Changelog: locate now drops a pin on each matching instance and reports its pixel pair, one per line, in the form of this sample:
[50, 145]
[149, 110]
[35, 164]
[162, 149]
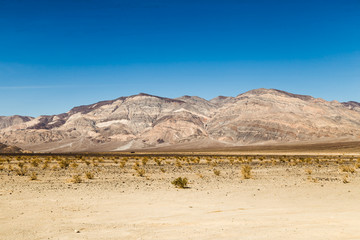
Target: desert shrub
[33, 176]
[216, 172]
[76, 178]
[45, 165]
[89, 175]
[21, 164]
[139, 171]
[311, 179]
[308, 171]
[64, 163]
[246, 171]
[22, 171]
[122, 164]
[144, 160]
[158, 161]
[162, 170]
[74, 165]
[180, 182]
[178, 164]
[346, 168]
[346, 179]
[35, 162]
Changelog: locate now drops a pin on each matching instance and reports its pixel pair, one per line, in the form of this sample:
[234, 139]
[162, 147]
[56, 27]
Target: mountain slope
[13, 120]
[144, 121]
[9, 149]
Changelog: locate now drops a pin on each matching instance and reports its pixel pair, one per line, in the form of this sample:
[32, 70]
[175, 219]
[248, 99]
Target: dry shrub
[35, 162]
[33, 176]
[178, 164]
[76, 178]
[180, 182]
[89, 175]
[144, 160]
[158, 161]
[246, 171]
[346, 179]
[46, 165]
[64, 163]
[74, 165]
[122, 164]
[22, 171]
[139, 171]
[346, 168]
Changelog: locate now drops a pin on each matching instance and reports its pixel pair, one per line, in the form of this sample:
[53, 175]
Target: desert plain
[229, 195]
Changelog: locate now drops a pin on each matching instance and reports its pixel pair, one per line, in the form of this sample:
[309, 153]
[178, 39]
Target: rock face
[144, 121]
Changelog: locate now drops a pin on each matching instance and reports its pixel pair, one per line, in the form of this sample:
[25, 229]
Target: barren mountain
[144, 121]
[13, 120]
[9, 149]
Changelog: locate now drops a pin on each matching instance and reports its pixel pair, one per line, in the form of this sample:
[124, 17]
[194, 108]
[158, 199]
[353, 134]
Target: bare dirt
[287, 197]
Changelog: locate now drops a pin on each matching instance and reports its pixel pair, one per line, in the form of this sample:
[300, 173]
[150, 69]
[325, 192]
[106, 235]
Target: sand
[279, 202]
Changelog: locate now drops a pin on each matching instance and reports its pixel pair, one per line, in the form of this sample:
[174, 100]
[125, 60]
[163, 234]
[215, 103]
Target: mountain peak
[262, 91]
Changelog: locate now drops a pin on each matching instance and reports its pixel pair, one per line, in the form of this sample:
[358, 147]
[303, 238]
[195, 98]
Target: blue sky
[58, 54]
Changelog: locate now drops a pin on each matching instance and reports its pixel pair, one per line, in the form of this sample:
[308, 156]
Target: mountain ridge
[145, 121]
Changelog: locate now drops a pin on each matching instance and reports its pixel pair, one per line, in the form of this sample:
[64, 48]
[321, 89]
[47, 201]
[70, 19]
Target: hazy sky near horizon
[58, 54]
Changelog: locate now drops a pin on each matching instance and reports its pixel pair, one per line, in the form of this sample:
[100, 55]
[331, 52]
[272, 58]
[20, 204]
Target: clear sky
[58, 54]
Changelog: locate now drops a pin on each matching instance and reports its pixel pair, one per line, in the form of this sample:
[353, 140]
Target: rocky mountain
[13, 120]
[9, 149]
[261, 116]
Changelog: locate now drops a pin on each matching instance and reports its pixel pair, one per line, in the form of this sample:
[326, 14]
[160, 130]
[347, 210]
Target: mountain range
[143, 121]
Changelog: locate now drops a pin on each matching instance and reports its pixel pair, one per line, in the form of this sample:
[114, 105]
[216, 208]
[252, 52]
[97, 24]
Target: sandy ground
[280, 201]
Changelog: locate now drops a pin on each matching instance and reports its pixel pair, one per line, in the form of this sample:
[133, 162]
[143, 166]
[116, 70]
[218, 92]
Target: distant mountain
[143, 121]
[9, 149]
[13, 120]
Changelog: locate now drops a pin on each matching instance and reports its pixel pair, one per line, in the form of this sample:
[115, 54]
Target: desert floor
[287, 197]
